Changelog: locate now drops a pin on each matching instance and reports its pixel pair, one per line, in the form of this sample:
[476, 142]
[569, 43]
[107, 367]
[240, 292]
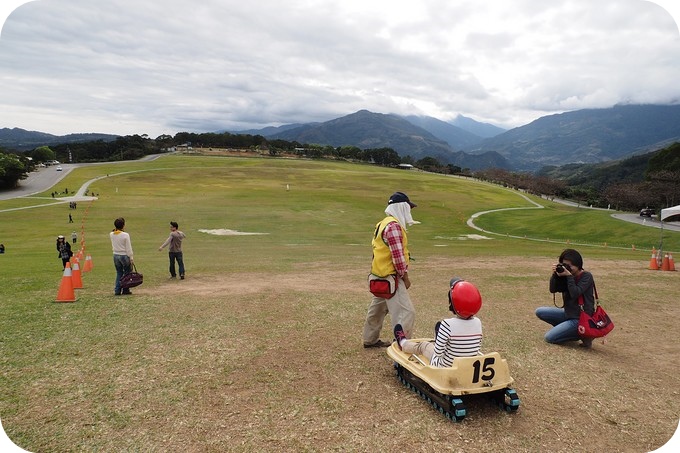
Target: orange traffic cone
[653, 265]
[665, 265]
[671, 264]
[87, 267]
[76, 277]
[66, 292]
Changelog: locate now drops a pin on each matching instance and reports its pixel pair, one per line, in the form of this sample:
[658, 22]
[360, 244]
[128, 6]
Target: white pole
[661, 242]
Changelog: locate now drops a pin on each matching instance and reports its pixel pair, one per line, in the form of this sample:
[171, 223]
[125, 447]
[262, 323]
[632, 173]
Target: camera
[558, 283]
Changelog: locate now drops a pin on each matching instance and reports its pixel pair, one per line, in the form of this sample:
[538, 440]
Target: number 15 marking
[486, 370]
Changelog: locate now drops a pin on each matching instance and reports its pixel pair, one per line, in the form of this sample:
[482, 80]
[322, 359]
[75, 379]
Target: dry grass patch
[246, 362]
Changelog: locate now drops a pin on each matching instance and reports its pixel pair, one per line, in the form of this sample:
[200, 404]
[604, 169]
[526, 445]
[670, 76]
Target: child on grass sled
[458, 336]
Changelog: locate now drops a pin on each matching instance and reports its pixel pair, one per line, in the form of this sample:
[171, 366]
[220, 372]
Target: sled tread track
[451, 406]
[506, 399]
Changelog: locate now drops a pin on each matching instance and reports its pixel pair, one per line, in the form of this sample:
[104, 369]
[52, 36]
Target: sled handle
[413, 356]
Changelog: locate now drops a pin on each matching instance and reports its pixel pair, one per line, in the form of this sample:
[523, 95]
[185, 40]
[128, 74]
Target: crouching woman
[576, 284]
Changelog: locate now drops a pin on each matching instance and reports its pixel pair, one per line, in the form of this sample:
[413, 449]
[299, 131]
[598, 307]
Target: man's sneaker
[399, 334]
[377, 344]
[181, 277]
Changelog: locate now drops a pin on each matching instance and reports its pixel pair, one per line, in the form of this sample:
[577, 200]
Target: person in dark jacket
[569, 278]
[64, 249]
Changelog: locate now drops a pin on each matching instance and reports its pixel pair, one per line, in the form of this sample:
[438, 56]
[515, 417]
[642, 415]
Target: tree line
[651, 180]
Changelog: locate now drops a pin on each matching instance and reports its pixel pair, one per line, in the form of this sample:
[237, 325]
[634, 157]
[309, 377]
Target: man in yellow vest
[390, 261]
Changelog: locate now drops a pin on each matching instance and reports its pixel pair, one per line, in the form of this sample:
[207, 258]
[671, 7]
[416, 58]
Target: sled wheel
[511, 402]
[459, 411]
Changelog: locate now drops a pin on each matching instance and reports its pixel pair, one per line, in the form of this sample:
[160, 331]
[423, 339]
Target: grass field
[260, 347]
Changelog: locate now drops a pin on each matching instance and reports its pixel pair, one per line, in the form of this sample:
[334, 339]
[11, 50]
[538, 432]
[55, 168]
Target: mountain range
[23, 140]
[587, 136]
[581, 136]
[414, 136]
[368, 130]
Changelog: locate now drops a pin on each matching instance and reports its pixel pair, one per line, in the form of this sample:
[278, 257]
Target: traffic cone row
[665, 264]
[72, 277]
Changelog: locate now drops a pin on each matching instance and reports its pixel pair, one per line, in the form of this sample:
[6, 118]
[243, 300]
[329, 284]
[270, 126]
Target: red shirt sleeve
[394, 237]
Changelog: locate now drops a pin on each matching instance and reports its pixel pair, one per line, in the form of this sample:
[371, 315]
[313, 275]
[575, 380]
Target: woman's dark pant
[180, 262]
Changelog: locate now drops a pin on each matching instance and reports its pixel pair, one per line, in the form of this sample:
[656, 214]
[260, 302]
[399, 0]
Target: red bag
[596, 325]
[384, 287]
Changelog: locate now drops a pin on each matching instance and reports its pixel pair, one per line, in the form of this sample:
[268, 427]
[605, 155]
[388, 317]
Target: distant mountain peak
[369, 130]
[588, 136]
[23, 140]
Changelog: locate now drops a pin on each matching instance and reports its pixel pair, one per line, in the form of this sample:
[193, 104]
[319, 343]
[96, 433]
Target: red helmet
[464, 298]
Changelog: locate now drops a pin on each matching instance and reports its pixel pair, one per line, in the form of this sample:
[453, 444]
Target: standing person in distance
[175, 250]
[391, 258]
[64, 249]
[569, 278]
[122, 254]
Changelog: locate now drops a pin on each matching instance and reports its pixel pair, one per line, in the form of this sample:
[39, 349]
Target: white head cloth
[401, 212]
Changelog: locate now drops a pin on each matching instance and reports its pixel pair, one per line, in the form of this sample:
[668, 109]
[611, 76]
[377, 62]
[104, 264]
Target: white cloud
[167, 66]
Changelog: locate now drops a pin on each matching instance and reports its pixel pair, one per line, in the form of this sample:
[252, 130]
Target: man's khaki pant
[400, 309]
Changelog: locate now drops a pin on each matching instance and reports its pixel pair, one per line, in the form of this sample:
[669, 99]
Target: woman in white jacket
[122, 254]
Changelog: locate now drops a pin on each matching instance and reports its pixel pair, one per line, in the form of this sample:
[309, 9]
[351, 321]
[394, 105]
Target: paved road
[37, 181]
[626, 216]
[44, 178]
[646, 221]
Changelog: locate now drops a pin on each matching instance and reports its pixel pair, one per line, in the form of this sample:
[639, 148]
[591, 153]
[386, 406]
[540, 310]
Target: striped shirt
[457, 337]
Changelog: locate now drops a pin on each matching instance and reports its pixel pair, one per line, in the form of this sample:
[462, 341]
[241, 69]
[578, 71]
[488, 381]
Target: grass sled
[445, 388]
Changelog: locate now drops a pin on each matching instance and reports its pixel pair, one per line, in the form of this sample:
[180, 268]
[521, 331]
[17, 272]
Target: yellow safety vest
[382, 264]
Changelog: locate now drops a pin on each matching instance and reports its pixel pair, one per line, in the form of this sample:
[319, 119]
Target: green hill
[259, 348]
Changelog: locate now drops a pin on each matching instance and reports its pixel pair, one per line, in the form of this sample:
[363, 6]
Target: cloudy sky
[165, 66]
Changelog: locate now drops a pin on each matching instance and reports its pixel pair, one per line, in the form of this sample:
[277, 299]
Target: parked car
[647, 212]
[59, 168]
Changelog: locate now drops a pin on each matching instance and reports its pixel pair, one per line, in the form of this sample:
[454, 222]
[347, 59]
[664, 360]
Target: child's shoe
[399, 334]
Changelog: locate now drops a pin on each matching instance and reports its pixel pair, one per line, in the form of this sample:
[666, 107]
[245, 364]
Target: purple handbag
[132, 279]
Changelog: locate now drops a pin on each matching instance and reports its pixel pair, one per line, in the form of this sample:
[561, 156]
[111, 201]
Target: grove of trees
[12, 170]
[655, 183]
